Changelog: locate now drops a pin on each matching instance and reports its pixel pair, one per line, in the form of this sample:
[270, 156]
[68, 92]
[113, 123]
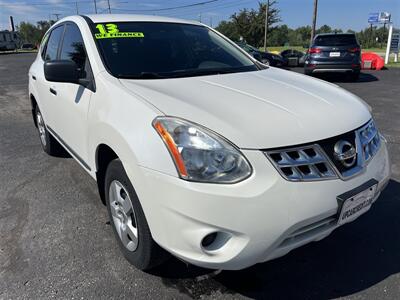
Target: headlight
[201, 155]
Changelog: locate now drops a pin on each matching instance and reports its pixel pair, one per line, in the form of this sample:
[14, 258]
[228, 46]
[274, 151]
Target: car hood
[257, 110]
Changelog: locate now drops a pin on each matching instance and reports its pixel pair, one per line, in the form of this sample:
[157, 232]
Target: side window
[73, 47]
[44, 44]
[52, 45]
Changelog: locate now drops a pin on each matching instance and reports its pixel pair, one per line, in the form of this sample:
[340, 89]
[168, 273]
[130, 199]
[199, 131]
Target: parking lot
[56, 242]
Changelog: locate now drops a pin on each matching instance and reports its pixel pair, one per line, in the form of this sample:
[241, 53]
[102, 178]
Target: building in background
[10, 40]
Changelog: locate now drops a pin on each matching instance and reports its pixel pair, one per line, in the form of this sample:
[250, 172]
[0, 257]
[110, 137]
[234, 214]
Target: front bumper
[260, 219]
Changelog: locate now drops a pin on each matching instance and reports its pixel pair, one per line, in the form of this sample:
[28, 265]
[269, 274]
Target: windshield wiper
[185, 73]
[200, 72]
[143, 75]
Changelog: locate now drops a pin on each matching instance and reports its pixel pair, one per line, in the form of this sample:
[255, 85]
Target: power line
[169, 8]
[42, 3]
[217, 6]
[220, 6]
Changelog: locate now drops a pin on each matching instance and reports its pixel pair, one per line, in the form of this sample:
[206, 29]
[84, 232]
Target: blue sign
[395, 43]
[373, 18]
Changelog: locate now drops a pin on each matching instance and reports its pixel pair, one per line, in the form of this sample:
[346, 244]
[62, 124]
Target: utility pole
[95, 6]
[109, 7]
[384, 30]
[77, 9]
[389, 41]
[372, 36]
[314, 21]
[266, 24]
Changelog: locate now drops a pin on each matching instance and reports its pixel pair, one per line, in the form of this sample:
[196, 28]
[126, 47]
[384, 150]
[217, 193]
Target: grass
[18, 51]
[280, 49]
[300, 48]
[393, 64]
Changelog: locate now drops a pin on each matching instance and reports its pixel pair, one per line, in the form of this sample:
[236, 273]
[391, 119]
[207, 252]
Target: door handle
[53, 91]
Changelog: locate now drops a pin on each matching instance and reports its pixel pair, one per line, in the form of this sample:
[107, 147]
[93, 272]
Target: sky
[343, 14]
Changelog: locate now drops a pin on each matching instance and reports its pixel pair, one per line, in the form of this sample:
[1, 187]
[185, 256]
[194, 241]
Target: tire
[355, 76]
[49, 144]
[307, 72]
[128, 221]
[266, 62]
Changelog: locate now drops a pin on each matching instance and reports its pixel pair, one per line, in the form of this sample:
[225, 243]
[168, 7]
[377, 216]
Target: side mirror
[61, 71]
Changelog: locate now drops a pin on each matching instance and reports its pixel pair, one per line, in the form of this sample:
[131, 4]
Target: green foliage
[368, 37]
[249, 25]
[33, 34]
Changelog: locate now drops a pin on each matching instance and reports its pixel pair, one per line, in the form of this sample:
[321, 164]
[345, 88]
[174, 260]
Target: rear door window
[335, 40]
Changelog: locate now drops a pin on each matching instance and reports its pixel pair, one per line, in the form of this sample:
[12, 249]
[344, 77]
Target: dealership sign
[373, 18]
[384, 17]
[394, 44]
[379, 17]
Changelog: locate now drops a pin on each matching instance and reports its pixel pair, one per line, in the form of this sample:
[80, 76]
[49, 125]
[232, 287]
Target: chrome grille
[306, 163]
[317, 161]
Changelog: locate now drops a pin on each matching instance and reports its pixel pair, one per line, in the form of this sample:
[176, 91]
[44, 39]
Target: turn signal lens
[169, 142]
[201, 155]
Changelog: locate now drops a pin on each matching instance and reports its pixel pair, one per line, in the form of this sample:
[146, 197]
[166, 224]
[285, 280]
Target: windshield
[151, 50]
[335, 40]
[246, 47]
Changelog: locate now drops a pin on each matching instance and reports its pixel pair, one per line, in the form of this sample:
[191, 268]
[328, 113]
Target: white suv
[197, 149]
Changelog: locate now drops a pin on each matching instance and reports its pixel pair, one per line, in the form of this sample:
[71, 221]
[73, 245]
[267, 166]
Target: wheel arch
[104, 155]
[33, 107]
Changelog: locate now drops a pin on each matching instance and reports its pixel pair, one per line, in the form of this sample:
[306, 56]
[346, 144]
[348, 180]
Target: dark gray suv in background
[334, 52]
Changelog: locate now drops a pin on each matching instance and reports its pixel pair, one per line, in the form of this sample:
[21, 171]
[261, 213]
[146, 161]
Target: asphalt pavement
[56, 241]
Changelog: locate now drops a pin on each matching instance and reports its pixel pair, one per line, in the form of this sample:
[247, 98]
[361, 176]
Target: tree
[279, 35]
[229, 29]
[324, 29]
[249, 24]
[33, 34]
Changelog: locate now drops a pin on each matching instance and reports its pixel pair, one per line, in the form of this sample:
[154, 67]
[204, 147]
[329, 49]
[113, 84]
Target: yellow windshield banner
[119, 35]
[111, 31]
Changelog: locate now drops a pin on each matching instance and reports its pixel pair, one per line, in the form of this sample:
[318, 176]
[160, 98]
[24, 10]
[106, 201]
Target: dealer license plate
[334, 54]
[356, 205]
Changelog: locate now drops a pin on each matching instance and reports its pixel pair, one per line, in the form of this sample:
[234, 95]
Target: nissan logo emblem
[345, 153]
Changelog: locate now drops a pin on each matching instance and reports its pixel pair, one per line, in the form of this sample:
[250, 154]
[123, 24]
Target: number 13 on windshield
[109, 28]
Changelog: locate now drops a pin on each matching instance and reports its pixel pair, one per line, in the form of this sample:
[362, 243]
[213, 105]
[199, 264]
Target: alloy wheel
[123, 215]
[41, 128]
